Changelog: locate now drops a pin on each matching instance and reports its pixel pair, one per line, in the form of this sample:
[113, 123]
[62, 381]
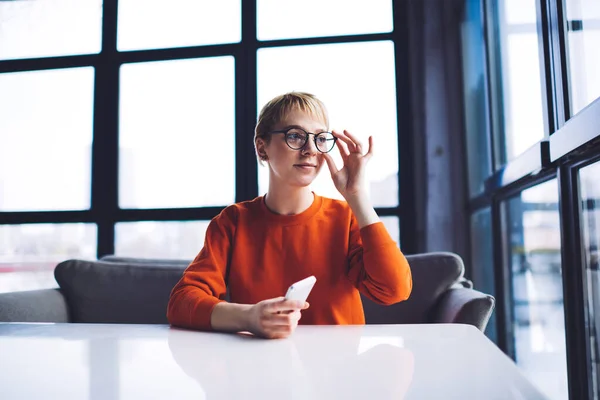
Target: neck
[288, 200]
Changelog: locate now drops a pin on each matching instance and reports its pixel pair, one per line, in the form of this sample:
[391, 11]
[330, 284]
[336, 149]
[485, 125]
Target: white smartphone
[301, 289]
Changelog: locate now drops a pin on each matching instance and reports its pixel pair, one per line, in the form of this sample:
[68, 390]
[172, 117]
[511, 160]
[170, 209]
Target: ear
[261, 149]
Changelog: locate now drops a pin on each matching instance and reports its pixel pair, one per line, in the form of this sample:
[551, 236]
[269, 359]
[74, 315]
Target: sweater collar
[291, 219]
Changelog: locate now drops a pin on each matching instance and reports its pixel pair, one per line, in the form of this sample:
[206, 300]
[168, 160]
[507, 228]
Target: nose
[309, 148]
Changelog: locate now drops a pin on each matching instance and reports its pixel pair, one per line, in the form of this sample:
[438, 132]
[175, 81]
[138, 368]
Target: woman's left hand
[350, 180]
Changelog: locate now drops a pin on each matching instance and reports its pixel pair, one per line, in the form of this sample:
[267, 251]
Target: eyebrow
[301, 127]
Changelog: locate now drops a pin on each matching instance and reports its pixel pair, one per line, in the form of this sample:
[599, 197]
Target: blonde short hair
[278, 108]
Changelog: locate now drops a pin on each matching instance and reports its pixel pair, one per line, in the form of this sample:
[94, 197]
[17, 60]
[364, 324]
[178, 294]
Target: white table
[97, 361]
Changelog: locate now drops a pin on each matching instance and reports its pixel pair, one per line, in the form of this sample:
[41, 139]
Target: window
[182, 71]
[45, 139]
[291, 19]
[474, 91]
[583, 36]
[360, 97]
[153, 24]
[517, 92]
[590, 224]
[177, 134]
[392, 224]
[29, 252]
[537, 289]
[482, 260]
[160, 239]
[32, 29]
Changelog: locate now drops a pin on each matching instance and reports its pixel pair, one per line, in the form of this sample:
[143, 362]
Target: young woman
[255, 249]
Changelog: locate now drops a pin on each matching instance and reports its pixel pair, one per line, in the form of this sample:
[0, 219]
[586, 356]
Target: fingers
[279, 325]
[370, 152]
[330, 163]
[357, 144]
[342, 147]
[282, 319]
[350, 142]
[280, 304]
[278, 317]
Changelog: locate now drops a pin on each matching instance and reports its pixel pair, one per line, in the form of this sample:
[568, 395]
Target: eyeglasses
[296, 139]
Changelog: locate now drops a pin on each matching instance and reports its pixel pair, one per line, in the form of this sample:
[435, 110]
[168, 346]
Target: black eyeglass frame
[316, 135]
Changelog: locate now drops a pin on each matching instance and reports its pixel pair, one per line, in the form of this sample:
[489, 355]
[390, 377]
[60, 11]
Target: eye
[296, 135]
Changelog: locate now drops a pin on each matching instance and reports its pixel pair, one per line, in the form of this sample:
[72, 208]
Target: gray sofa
[135, 290]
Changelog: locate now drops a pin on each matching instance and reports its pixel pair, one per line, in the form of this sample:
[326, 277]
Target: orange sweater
[258, 254]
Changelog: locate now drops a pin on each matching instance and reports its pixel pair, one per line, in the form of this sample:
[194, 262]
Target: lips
[305, 165]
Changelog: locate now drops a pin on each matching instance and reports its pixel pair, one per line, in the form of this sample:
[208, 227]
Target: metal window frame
[572, 142]
[104, 209]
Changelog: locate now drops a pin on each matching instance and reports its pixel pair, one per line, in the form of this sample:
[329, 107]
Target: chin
[303, 182]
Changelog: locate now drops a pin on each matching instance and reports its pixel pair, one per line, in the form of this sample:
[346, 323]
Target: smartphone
[301, 289]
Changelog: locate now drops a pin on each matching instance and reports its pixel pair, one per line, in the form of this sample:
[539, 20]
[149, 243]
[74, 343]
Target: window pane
[45, 139]
[482, 260]
[158, 239]
[517, 93]
[590, 224]
[289, 19]
[29, 253]
[537, 288]
[583, 36]
[153, 24]
[474, 84]
[177, 134]
[49, 28]
[350, 106]
[392, 224]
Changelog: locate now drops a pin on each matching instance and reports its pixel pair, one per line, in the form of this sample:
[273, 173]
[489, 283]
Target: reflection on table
[98, 361]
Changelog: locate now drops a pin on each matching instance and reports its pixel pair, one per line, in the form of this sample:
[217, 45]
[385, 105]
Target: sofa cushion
[117, 292]
[433, 274]
[136, 290]
[44, 305]
[146, 261]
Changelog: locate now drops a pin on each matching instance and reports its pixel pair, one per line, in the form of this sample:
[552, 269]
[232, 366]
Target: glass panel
[158, 239]
[177, 134]
[517, 93]
[154, 24]
[45, 139]
[482, 260]
[29, 253]
[278, 19]
[590, 224]
[392, 224]
[537, 288]
[474, 86]
[350, 107]
[583, 36]
[49, 28]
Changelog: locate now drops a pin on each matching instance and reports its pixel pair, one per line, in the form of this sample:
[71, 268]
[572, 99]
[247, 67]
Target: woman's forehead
[307, 119]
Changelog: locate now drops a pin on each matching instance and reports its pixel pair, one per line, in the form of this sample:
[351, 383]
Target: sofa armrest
[46, 305]
[464, 306]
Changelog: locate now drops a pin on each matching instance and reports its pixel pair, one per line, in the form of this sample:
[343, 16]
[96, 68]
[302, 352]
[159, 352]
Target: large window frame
[571, 142]
[105, 211]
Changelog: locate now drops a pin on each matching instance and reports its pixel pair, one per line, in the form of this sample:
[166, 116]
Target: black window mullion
[502, 279]
[105, 147]
[409, 216]
[574, 288]
[246, 170]
[547, 68]
[560, 84]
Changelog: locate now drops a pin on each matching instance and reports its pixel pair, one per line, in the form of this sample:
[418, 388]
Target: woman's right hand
[275, 318]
